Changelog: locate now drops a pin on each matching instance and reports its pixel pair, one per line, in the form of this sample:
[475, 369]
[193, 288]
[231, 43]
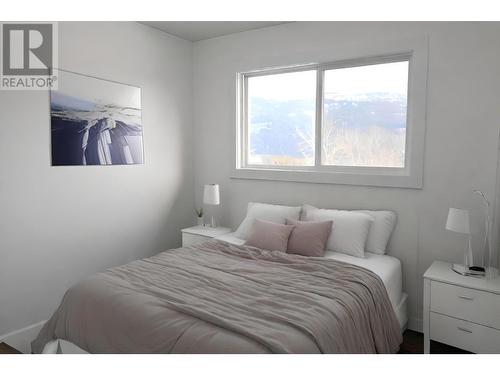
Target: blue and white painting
[95, 122]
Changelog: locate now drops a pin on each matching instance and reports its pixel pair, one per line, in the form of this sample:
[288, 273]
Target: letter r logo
[27, 49]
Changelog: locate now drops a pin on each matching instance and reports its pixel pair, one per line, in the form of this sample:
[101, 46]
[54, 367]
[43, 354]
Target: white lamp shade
[211, 194]
[458, 221]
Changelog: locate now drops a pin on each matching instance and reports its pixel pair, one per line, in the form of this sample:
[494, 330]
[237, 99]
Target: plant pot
[200, 221]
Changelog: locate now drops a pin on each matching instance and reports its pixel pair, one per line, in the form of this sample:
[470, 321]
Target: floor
[6, 349]
[413, 343]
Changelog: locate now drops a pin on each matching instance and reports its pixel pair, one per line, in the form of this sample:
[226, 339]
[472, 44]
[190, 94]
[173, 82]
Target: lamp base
[466, 271]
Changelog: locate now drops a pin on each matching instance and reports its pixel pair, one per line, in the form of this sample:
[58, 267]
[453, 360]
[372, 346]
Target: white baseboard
[21, 339]
[415, 324]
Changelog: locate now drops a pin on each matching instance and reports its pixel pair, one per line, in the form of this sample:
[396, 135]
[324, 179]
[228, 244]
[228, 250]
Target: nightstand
[199, 234]
[461, 311]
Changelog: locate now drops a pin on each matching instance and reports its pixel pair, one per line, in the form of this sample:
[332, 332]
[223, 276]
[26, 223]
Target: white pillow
[349, 230]
[270, 212]
[380, 231]
[306, 208]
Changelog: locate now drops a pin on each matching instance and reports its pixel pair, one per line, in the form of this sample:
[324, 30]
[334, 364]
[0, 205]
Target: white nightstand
[199, 234]
[461, 311]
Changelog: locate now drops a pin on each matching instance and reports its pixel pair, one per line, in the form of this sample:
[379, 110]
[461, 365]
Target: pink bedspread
[220, 298]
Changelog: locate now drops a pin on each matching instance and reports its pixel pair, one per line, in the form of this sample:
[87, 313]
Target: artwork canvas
[95, 122]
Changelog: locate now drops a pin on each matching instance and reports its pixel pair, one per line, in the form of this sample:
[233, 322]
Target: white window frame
[410, 176]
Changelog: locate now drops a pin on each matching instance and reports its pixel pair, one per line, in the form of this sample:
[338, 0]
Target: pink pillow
[269, 236]
[309, 237]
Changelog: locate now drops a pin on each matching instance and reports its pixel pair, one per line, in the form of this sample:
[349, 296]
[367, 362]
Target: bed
[222, 297]
[387, 267]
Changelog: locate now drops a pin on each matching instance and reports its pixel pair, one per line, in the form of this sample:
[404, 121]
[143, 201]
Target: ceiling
[200, 30]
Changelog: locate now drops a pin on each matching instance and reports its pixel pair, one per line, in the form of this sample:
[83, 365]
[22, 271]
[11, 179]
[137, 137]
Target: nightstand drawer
[189, 239]
[467, 304]
[465, 335]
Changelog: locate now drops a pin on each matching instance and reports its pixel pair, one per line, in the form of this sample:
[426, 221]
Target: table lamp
[458, 221]
[211, 196]
[491, 272]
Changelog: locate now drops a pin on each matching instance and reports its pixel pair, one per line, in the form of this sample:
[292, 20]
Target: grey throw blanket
[220, 298]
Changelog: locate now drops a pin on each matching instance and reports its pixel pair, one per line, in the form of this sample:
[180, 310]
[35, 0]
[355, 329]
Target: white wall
[463, 119]
[59, 224]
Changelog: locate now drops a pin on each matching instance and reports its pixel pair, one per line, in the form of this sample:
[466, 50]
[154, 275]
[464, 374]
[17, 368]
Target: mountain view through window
[281, 118]
[363, 117]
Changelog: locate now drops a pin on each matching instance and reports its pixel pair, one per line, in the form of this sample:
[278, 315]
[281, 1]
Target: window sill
[382, 179]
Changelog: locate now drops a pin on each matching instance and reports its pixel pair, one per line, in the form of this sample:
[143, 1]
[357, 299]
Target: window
[281, 119]
[364, 115]
[345, 122]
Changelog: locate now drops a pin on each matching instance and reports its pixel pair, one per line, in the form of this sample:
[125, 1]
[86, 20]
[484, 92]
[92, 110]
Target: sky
[389, 77]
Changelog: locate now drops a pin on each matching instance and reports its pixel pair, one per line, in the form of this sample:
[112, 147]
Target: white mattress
[386, 267]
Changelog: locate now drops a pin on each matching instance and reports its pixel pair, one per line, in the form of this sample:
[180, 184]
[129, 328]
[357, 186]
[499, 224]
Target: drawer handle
[464, 330]
[466, 298]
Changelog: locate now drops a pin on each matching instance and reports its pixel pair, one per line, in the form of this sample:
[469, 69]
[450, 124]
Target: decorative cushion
[309, 238]
[349, 230]
[268, 212]
[269, 236]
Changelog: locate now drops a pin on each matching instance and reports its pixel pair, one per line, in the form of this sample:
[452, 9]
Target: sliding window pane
[281, 118]
[364, 115]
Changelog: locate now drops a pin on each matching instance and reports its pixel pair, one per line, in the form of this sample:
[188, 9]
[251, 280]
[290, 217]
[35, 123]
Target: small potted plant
[199, 216]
